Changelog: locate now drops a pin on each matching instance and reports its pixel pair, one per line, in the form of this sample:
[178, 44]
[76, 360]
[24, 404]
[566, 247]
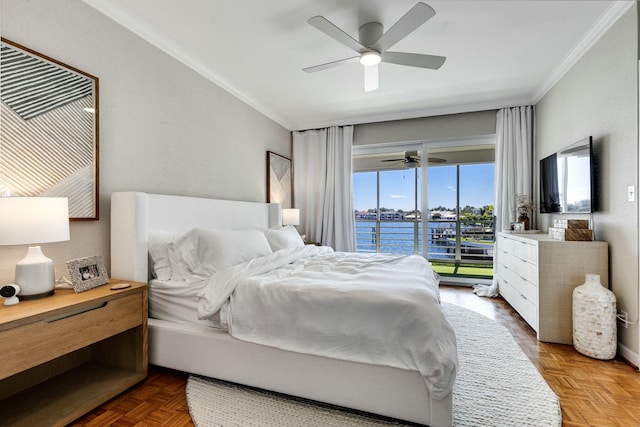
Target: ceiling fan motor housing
[370, 33]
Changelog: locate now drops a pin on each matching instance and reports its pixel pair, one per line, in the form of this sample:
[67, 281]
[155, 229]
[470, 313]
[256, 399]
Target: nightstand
[64, 355]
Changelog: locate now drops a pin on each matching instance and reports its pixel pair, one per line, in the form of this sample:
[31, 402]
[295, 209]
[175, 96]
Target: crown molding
[597, 30]
[166, 45]
[415, 114]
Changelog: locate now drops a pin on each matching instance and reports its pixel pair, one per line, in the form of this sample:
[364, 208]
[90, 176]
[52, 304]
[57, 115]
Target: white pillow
[285, 237]
[218, 249]
[183, 256]
[159, 253]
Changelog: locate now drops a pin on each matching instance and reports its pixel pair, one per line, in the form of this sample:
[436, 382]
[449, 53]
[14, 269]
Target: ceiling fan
[373, 44]
[412, 160]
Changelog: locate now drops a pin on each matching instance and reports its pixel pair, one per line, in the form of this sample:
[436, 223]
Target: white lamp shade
[33, 220]
[290, 216]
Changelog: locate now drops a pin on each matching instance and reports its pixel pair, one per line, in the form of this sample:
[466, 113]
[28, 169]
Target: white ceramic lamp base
[35, 275]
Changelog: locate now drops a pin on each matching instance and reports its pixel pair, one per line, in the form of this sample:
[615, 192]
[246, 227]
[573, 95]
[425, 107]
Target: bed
[193, 345]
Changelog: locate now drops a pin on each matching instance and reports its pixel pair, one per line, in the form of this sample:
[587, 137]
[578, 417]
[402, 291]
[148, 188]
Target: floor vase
[594, 319]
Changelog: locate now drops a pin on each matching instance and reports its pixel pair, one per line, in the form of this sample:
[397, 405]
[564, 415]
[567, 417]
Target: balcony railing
[468, 241]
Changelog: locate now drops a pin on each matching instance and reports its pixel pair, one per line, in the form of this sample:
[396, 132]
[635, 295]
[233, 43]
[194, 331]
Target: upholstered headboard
[134, 215]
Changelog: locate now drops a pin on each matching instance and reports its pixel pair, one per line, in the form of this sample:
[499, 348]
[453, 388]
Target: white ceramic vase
[594, 319]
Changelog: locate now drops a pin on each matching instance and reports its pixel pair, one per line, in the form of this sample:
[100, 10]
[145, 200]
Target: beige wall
[163, 128]
[598, 97]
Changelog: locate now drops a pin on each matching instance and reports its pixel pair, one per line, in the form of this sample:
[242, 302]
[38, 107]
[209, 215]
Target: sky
[397, 187]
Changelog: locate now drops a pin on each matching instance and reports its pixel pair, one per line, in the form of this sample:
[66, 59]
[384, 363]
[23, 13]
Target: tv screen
[566, 180]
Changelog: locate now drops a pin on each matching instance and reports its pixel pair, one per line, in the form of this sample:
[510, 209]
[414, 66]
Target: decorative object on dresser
[279, 179]
[87, 273]
[594, 319]
[537, 275]
[49, 129]
[66, 355]
[574, 230]
[29, 220]
[524, 205]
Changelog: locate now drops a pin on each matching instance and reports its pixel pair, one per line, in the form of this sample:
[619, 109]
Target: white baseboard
[626, 353]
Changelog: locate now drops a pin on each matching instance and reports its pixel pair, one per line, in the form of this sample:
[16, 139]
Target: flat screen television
[567, 181]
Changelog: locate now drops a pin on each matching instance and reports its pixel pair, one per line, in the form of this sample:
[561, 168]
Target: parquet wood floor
[592, 392]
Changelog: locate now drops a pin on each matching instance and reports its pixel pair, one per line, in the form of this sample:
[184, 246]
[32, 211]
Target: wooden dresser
[537, 275]
[66, 354]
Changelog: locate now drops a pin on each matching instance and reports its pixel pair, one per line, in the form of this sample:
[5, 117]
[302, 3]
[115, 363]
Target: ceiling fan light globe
[370, 58]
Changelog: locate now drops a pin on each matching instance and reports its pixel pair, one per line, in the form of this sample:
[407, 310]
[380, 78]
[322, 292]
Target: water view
[405, 237]
[460, 225]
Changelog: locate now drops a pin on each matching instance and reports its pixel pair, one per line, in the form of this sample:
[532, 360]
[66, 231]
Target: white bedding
[177, 301]
[369, 308]
[138, 218]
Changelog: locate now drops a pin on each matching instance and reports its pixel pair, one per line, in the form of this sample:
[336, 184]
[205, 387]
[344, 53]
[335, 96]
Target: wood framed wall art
[279, 180]
[49, 130]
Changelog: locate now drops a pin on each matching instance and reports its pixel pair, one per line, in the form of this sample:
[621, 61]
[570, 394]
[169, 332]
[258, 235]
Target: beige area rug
[496, 386]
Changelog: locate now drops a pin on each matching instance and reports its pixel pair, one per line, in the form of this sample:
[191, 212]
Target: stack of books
[571, 230]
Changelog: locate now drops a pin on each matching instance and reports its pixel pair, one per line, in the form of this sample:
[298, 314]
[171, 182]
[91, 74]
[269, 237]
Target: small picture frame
[87, 273]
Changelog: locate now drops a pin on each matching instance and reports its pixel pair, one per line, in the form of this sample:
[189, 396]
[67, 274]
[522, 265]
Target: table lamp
[34, 220]
[290, 216]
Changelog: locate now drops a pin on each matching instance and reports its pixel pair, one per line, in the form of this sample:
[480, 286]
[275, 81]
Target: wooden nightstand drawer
[66, 354]
[67, 331]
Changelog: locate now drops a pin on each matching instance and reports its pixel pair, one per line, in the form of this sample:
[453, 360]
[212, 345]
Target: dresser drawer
[526, 289]
[524, 269]
[526, 308]
[526, 251]
[505, 244]
[523, 286]
[66, 331]
[520, 266]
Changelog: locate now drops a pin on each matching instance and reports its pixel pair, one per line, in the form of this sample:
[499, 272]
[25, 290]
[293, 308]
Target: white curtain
[515, 135]
[323, 186]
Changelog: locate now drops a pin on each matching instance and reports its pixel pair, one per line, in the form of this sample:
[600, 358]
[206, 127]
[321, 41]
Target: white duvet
[369, 308]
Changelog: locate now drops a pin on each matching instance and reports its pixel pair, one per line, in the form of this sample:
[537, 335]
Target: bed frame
[202, 350]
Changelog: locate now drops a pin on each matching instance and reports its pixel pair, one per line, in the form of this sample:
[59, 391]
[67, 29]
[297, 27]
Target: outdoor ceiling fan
[373, 44]
[412, 160]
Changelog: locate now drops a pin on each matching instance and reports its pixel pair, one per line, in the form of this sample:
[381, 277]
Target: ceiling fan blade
[416, 16]
[414, 59]
[392, 160]
[370, 78]
[436, 160]
[324, 25]
[333, 64]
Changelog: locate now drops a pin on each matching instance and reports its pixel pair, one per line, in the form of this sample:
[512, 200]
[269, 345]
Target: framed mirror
[48, 130]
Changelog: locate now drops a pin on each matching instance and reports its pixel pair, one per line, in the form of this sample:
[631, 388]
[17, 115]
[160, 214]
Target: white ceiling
[499, 53]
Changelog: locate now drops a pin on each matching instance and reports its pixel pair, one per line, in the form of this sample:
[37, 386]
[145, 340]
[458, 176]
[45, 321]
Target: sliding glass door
[458, 213]
[461, 228]
[386, 211]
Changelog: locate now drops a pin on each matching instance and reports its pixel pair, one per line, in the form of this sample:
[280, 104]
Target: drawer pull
[523, 296]
[75, 313]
